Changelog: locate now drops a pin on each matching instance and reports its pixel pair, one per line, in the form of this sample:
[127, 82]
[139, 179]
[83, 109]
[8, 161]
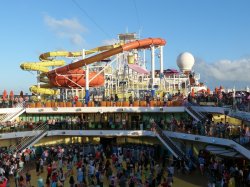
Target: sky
[215, 32]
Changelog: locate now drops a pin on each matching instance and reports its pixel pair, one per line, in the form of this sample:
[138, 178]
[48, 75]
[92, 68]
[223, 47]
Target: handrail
[33, 133]
[200, 115]
[31, 139]
[169, 142]
[7, 115]
[174, 147]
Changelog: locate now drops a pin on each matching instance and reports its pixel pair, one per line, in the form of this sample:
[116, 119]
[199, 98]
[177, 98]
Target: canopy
[138, 69]
[223, 151]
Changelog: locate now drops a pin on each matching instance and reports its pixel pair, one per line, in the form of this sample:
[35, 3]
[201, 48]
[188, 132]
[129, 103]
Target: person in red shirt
[49, 171]
[97, 155]
[164, 183]
[54, 176]
[79, 164]
[3, 181]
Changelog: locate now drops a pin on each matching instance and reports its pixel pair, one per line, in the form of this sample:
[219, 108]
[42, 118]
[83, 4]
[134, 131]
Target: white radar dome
[185, 61]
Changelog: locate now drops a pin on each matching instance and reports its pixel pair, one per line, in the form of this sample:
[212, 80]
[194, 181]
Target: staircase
[171, 146]
[196, 115]
[35, 135]
[17, 111]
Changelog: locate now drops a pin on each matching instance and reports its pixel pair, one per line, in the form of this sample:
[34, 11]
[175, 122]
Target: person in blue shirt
[202, 163]
[80, 177]
[40, 182]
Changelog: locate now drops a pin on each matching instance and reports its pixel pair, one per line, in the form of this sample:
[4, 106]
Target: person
[122, 181]
[116, 98]
[112, 181]
[16, 177]
[170, 180]
[41, 164]
[61, 176]
[22, 182]
[130, 100]
[131, 181]
[37, 166]
[2, 171]
[49, 171]
[71, 181]
[171, 169]
[80, 176]
[40, 182]
[164, 183]
[3, 181]
[48, 182]
[202, 163]
[28, 178]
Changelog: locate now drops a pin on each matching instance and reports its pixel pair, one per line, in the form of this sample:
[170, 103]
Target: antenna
[139, 33]
[126, 29]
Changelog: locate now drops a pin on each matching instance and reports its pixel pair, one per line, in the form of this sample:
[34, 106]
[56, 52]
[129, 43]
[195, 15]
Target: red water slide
[72, 75]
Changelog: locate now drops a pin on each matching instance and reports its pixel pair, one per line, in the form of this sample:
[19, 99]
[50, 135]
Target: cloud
[225, 72]
[66, 28]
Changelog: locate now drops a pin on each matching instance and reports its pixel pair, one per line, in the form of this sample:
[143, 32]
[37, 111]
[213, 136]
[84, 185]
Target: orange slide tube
[57, 79]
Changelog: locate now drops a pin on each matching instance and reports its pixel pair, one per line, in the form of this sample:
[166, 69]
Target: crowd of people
[132, 165]
[86, 165]
[208, 128]
[184, 124]
[223, 172]
[240, 100]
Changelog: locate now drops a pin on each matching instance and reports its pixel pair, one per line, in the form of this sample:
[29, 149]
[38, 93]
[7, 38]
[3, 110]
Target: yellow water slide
[49, 60]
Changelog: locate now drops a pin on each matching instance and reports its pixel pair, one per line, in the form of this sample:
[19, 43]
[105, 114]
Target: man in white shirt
[2, 171]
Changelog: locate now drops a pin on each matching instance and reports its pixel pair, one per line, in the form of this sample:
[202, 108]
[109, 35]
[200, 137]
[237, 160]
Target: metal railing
[176, 151]
[27, 140]
[201, 114]
[7, 116]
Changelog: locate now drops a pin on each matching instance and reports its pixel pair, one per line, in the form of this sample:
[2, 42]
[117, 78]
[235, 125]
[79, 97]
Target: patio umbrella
[21, 94]
[11, 95]
[5, 95]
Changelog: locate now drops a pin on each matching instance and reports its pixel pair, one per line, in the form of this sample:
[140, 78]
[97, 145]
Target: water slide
[48, 60]
[72, 75]
[59, 77]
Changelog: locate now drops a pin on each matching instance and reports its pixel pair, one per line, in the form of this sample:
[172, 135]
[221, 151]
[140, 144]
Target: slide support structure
[87, 79]
[161, 60]
[152, 70]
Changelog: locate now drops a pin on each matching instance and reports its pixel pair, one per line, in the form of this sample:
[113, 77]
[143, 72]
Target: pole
[152, 70]
[161, 60]
[161, 67]
[38, 84]
[86, 79]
